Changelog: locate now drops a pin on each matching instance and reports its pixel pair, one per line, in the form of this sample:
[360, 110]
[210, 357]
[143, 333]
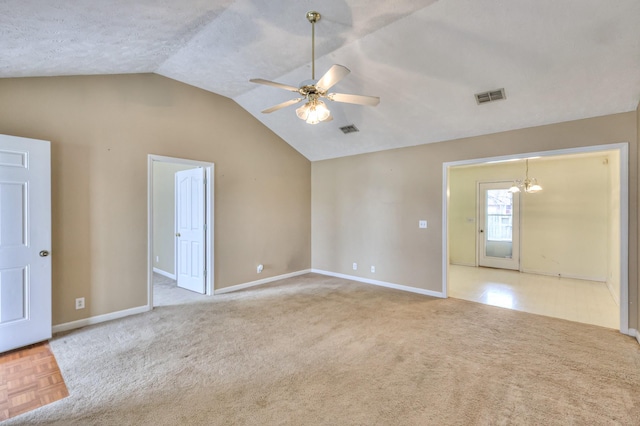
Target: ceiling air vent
[493, 95]
[349, 129]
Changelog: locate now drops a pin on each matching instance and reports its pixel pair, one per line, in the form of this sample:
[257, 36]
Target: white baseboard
[613, 293]
[381, 283]
[473, 265]
[574, 277]
[99, 318]
[164, 273]
[259, 282]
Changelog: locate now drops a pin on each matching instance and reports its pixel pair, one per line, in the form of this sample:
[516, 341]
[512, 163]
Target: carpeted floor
[166, 293]
[315, 350]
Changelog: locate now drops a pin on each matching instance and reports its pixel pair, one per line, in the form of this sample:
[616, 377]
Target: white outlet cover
[355, 266]
[422, 224]
[373, 269]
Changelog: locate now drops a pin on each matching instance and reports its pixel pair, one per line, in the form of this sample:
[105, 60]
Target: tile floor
[29, 378]
[575, 300]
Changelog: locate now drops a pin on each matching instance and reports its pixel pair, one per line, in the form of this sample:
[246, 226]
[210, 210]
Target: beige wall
[564, 228]
[366, 208]
[102, 129]
[164, 215]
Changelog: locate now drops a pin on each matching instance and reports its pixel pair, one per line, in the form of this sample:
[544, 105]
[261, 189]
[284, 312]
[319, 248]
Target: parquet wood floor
[29, 378]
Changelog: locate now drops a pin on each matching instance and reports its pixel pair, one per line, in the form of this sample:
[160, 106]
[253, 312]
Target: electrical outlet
[259, 268]
[355, 266]
[422, 224]
[80, 303]
[157, 259]
[373, 269]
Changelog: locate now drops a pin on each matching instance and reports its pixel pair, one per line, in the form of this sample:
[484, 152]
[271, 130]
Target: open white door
[190, 230]
[499, 226]
[25, 242]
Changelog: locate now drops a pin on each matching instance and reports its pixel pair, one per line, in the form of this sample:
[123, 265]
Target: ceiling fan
[314, 110]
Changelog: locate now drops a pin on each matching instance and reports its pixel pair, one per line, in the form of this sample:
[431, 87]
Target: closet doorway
[163, 230]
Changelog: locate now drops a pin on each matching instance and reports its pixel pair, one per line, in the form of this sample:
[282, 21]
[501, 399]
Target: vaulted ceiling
[557, 60]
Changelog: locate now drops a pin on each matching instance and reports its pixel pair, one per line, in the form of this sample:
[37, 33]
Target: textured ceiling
[557, 60]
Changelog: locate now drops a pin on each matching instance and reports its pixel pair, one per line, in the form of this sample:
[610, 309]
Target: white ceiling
[558, 60]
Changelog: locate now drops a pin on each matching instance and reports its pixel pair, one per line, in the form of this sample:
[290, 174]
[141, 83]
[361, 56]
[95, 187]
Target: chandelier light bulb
[303, 111]
[312, 117]
[322, 110]
[535, 187]
[528, 185]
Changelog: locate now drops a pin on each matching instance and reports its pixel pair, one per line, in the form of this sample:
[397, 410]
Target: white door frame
[209, 169]
[622, 148]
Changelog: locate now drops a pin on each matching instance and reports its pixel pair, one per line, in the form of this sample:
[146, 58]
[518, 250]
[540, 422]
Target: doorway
[544, 237]
[165, 233]
[499, 226]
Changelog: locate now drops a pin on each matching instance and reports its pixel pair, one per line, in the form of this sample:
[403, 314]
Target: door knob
[177, 234]
[44, 253]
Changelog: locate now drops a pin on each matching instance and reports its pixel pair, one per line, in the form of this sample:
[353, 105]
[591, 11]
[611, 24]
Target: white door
[190, 229]
[25, 242]
[499, 226]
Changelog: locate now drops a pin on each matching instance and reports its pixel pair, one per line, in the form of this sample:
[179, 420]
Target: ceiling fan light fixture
[303, 111]
[313, 112]
[313, 117]
[321, 110]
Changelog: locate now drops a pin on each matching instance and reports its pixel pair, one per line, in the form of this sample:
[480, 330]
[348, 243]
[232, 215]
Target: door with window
[499, 226]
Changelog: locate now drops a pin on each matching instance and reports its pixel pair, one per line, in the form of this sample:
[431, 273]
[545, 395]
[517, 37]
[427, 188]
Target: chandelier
[528, 185]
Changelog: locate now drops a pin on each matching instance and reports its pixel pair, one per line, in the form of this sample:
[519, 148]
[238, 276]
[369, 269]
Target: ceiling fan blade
[331, 77]
[354, 99]
[282, 105]
[274, 84]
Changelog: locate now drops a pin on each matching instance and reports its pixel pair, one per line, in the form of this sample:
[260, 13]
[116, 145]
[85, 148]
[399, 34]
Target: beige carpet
[323, 351]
